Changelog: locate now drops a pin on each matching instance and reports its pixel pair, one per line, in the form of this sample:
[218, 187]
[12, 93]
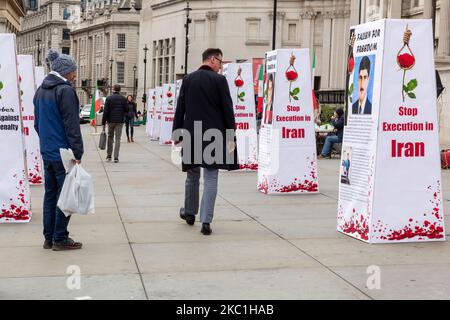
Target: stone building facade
[47, 24]
[11, 12]
[105, 45]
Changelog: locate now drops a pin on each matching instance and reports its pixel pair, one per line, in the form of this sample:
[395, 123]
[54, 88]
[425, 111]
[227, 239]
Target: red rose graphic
[351, 65]
[406, 61]
[291, 76]
[239, 83]
[169, 94]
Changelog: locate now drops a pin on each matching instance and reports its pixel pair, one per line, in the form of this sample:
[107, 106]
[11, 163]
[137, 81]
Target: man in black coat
[204, 122]
[116, 108]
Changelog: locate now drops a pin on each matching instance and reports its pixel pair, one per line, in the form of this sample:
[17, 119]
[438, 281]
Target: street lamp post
[186, 48]
[274, 26]
[134, 81]
[111, 74]
[144, 96]
[38, 41]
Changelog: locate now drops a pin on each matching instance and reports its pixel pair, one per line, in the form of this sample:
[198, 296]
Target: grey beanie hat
[61, 63]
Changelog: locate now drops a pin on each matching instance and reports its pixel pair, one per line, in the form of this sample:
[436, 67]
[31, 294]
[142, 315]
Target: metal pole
[433, 11]
[186, 49]
[274, 27]
[144, 96]
[110, 80]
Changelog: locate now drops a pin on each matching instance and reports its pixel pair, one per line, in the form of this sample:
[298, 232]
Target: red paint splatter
[249, 166]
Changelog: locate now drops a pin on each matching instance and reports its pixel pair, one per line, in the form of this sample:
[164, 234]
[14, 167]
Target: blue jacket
[57, 118]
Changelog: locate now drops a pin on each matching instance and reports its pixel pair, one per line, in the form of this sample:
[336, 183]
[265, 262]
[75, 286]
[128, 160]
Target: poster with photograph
[167, 114]
[39, 76]
[390, 182]
[27, 89]
[287, 146]
[177, 91]
[157, 114]
[14, 187]
[150, 112]
[240, 82]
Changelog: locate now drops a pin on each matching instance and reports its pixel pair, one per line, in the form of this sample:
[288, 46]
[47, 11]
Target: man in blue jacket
[57, 122]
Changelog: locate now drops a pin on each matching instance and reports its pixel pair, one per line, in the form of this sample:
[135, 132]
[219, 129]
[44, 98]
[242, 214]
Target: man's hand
[77, 161]
[231, 145]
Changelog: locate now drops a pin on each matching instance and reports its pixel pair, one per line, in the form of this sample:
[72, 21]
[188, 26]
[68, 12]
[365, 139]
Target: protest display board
[177, 91]
[14, 186]
[167, 114]
[287, 161]
[240, 82]
[157, 114]
[390, 178]
[39, 76]
[150, 112]
[27, 89]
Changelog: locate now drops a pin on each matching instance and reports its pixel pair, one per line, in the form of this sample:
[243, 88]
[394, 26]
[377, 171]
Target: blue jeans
[192, 195]
[129, 127]
[329, 141]
[55, 222]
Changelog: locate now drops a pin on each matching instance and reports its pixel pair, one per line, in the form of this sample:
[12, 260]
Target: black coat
[338, 124]
[132, 111]
[116, 108]
[205, 97]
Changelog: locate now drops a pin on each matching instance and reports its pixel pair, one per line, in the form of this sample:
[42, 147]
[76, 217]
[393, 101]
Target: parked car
[85, 114]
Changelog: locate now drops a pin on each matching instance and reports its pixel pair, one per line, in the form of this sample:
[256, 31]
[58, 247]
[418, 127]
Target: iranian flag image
[95, 106]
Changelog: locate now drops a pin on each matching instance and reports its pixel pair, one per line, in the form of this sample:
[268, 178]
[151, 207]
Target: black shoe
[190, 219]
[68, 244]
[48, 244]
[108, 159]
[116, 160]
[206, 229]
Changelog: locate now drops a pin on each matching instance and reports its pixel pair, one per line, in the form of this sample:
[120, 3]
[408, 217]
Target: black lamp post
[144, 96]
[134, 82]
[186, 48]
[274, 26]
[111, 73]
[38, 41]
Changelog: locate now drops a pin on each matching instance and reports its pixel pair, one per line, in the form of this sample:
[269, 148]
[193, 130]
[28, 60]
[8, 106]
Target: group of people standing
[117, 111]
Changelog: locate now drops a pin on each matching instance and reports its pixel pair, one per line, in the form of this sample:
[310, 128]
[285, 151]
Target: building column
[427, 10]
[326, 54]
[444, 29]
[212, 17]
[394, 9]
[338, 48]
[307, 29]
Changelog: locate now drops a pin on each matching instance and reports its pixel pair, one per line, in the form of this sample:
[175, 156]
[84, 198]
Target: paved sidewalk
[283, 247]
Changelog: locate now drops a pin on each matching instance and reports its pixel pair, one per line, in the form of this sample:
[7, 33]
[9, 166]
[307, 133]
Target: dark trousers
[114, 134]
[55, 222]
[129, 123]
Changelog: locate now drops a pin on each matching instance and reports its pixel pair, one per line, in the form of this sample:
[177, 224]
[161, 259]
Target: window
[65, 50]
[121, 44]
[120, 72]
[66, 14]
[66, 34]
[292, 32]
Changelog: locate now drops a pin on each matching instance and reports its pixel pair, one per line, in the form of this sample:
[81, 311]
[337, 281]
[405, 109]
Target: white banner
[177, 91]
[287, 146]
[167, 114]
[157, 114]
[14, 187]
[27, 89]
[39, 76]
[390, 186]
[240, 82]
[150, 112]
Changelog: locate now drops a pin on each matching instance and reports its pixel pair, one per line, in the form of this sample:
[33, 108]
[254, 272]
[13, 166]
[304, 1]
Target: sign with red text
[167, 114]
[14, 186]
[150, 112]
[39, 76]
[27, 89]
[240, 82]
[177, 91]
[390, 181]
[157, 114]
[287, 145]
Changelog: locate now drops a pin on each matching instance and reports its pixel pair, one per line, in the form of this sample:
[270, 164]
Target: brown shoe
[48, 244]
[68, 244]
[132, 140]
[128, 140]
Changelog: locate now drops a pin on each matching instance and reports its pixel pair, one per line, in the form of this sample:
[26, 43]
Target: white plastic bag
[77, 194]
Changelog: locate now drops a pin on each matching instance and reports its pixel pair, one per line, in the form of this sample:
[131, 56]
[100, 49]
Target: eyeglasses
[221, 62]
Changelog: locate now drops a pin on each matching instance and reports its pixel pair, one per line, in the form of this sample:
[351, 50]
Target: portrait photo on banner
[363, 84]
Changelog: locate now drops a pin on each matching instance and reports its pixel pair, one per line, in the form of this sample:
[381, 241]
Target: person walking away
[204, 100]
[129, 118]
[57, 122]
[338, 123]
[116, 108]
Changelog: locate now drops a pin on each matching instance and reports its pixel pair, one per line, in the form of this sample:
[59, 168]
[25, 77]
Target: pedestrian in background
[337, 136]
[205, 99]
[57, 122]
[116, 109]
[129, 118]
